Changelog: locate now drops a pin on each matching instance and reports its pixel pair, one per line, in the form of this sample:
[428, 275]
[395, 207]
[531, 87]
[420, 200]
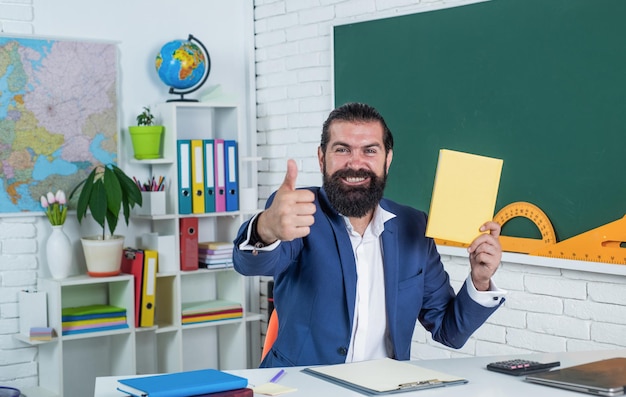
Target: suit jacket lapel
[391, 269]
[346, 255]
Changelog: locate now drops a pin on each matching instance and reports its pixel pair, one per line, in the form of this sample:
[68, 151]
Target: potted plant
[105, 192]
[146, 136]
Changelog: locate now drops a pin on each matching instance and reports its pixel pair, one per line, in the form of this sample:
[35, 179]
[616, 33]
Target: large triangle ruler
[606, 243]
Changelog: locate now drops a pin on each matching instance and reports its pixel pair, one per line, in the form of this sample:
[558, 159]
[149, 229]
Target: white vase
[59, 253]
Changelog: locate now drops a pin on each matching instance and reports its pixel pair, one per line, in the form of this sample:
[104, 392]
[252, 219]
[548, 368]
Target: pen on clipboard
[277, 377]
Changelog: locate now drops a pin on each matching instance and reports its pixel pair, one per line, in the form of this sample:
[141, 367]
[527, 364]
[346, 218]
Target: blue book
[181, 384]
[98, 329]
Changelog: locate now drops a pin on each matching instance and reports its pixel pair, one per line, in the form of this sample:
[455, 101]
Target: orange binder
[148, 290]
[132, 263]
[189, 243]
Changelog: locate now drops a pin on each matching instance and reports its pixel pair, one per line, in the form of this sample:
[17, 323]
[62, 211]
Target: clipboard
[383, 376]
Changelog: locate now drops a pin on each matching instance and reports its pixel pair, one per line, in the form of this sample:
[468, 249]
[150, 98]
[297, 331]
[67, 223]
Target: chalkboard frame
[540, 84]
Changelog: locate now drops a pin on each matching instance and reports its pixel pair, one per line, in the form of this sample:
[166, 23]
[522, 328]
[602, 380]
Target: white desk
[482, 383]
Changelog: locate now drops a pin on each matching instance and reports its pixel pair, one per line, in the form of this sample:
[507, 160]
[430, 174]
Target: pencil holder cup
[153, 203]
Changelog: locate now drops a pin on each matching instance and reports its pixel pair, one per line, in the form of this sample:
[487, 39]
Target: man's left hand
[485, 254]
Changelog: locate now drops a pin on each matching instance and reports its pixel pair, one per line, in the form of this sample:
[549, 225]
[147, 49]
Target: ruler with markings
[606, 243]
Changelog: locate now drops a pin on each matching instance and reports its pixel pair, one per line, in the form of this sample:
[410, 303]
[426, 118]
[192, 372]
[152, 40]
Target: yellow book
[464, 195]
[216, 245]
[197, 176]
[211, 317]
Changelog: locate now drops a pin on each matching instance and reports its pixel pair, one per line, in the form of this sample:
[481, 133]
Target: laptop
[600, 378]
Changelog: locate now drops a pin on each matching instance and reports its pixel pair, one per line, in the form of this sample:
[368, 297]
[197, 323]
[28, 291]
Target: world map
[58, 116]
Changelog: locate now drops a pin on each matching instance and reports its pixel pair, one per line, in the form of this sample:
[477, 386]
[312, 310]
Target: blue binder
[183, 148]
[209, 175]
[231, 164]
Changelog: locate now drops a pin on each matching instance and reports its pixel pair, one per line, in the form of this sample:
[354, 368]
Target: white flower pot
[103, 257]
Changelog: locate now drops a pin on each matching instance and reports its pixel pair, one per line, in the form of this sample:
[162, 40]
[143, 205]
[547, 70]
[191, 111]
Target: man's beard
[354, 201]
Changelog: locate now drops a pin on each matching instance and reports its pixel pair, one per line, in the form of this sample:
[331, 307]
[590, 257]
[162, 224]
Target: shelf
[97, 334]
[168, 346]
[151, 161]
[26, 339]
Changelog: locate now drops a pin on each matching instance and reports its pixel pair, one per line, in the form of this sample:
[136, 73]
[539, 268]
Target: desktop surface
[482, 383]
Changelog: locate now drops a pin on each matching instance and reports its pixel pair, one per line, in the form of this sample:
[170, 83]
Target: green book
[91, 310]
[198, 307]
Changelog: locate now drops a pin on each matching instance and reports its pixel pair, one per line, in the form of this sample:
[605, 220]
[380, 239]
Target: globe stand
[200, 83]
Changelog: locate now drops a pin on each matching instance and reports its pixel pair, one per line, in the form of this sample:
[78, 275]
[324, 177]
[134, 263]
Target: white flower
[60, 197]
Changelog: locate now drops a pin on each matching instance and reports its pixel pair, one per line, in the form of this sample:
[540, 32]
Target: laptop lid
[601, 378]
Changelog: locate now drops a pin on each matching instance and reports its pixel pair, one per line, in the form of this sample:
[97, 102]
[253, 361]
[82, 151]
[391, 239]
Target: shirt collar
[377, 224]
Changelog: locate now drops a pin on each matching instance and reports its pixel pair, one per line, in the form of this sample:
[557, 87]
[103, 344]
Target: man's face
[355, 167]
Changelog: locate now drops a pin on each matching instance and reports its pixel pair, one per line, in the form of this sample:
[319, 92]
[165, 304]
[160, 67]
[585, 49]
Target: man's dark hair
[356, 112]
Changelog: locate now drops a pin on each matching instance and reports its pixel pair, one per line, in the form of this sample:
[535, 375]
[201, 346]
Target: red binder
[132, 263]
[189, 243]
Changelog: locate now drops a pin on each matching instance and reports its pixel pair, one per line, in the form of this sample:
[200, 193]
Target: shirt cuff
[489, 298]
[246, 246]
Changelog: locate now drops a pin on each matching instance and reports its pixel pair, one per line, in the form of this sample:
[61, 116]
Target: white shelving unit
[68, 365]
[229, 344]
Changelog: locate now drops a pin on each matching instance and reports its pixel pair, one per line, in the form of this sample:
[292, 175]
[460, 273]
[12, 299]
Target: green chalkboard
[540, 84]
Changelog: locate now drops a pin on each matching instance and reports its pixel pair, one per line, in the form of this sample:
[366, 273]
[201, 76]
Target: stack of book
[215, 254]
[92, 318]
[41, 334]
[199, 383]
[211, 310]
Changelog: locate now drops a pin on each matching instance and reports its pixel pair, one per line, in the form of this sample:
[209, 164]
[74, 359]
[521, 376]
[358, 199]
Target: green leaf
[113, 191]
[129, 187]
[98, 203]
[85, 194]
[112, 219]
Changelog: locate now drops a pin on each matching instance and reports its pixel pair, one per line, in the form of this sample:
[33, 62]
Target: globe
[183, 65]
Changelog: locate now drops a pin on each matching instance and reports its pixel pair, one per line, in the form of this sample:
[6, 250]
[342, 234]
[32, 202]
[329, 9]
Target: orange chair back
[270, 335]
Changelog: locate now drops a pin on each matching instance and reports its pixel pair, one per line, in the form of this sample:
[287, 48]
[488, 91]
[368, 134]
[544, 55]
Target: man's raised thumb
[291, 175]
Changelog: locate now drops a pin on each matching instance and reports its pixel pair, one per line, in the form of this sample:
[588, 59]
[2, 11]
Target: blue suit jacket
[315, 288]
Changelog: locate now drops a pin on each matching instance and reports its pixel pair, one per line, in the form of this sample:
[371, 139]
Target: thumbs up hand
[291, 213]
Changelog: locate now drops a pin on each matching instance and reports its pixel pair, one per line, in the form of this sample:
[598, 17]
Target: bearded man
[353, 271]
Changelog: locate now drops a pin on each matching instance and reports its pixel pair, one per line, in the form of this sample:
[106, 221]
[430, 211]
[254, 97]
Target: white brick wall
[18, 248]
[16, 16]
[547, 309]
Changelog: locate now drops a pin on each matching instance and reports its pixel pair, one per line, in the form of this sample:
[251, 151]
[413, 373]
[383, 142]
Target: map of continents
[58, 116]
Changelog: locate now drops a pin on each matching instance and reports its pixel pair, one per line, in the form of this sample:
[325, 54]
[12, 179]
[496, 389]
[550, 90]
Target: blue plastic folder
[181, 384]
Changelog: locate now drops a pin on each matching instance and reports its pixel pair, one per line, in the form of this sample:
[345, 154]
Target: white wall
[547, 309]
[140, 27]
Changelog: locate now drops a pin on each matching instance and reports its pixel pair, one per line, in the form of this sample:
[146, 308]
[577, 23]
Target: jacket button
[342, 351]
